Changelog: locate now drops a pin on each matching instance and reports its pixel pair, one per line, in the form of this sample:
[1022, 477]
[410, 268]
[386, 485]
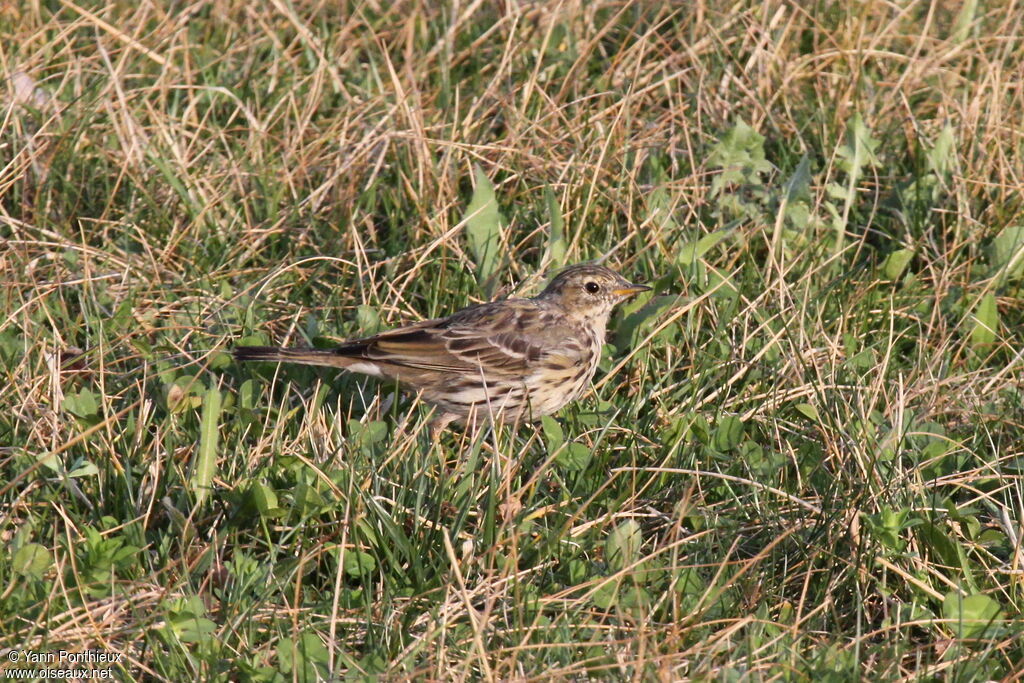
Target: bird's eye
[592, 287]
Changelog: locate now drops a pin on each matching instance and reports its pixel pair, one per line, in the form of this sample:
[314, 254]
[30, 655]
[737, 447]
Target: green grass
[802, 459]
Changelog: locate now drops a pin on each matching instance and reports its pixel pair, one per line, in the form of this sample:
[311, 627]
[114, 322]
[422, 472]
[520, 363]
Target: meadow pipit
[508, 360]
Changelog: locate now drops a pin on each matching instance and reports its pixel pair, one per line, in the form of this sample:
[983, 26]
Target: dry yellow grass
[816, 454]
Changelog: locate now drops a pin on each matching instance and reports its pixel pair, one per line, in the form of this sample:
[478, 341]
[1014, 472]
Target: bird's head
[588, 292]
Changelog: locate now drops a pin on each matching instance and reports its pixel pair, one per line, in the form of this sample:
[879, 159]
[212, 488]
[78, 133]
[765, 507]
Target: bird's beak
[630, 290]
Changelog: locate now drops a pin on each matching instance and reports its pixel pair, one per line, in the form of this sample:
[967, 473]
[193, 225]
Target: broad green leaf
[941, 156]
[808, 411]
[799, 184]
[247, 394]
[964, 21]
[483, 226]
[695, 250]
[659, 210]
[728, 433]
[1006, 253]
[688, 582]
[631, 329]
[622, 548]
[797, 194]
[972, 615]
[192, 629]
[557, 245]
[859, 148]
[740, 155]
[219, 360]
[367, 319]
[83, 468]
[209, 435]
[358, 563]
[368, 434]
[32, 560]
[306, 498]
[940, 544]
[578, 571]
[896, 262]
[607, 595]
[574, 457]
[718, 285]
[305, 658]
[82, 404]
[986, 322]
[634, 598]
[183, 393]
[552, 433]
[264, 499]
[836, 191]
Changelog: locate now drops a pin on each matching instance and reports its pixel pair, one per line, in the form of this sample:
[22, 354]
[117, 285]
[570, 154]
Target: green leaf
[622, 548]
[634, 599]
[83, 468]
[628, 333]
[964, 21]
[728, 433]
[938, 543]
[740, 155]
[796, 195]
[695, 250]
[358, 564]
[942, 155]
[836, 191]
[688, 582]
[659, 209]
[808, 411]
[798, 186]
[557, 246]
[307, 499]
[896, 262]
[366, 435]
[192, 629]
[986, 322]
[182, 393]
[247, 395]
[201, 481]
[607, 595]
[552, 433]
[859, 149]
[82, 404]
[574, 457]
[578, 571]
[305, 658]
[219, 360]
[483, 226]
[972, 615]
[264, 499]
[368, 320]
[1006, 253]
[32, 560]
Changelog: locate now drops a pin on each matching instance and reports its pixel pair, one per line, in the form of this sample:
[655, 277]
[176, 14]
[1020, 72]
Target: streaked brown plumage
[512, 359]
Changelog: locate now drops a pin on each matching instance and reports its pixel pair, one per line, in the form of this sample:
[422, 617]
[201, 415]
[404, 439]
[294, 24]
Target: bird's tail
[275, 354]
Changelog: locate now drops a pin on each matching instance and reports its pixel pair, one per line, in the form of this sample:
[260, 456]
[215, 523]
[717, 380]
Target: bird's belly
[536, 395]
[552, 389]
[466, 398]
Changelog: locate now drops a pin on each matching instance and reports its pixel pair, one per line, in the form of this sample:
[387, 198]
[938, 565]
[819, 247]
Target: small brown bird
[511, 359]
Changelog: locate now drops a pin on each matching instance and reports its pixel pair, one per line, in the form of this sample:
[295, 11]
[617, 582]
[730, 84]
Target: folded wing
[502, 340]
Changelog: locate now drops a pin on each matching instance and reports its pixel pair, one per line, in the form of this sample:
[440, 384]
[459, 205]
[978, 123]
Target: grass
[802, 458]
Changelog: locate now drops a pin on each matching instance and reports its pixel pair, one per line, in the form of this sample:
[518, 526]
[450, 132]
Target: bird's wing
[505, 340]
